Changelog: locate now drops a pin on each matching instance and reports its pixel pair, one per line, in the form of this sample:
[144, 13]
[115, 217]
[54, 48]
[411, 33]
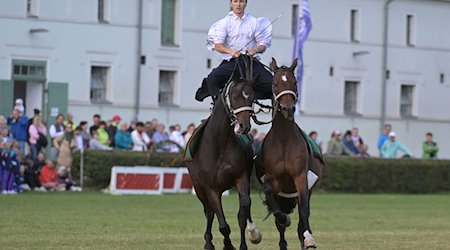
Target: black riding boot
[203, 91]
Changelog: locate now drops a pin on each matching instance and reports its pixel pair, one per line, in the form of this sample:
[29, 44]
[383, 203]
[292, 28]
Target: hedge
[356, 175]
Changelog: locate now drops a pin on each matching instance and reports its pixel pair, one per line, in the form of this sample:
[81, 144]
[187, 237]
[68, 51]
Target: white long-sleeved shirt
[139, 144]
[54, 133]
[240, 34]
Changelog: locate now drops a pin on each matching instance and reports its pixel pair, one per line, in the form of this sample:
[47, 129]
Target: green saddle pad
[194, 141]
[314, 147]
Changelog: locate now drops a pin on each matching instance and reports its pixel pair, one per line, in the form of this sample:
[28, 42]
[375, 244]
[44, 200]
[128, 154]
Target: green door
[6, 97]
[58, 96]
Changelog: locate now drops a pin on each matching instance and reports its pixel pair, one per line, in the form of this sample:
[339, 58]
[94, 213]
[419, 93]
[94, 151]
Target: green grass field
[91, 220]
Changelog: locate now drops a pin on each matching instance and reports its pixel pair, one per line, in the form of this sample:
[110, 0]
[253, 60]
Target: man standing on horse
[236, 33]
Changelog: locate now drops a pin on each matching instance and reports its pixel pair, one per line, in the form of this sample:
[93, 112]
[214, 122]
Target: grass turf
[91, 220]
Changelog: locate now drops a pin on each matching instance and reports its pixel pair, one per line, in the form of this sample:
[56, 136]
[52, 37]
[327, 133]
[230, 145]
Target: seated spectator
[31, 174]
[348, 143]
[313, 135]
[49, 177]
[335, 146]
[189, 132]
[430, 148]
[95, 144]
[391, 146]
[123, 137]
[140, 138]
[65, 178]
[176, 136]
[160, 136]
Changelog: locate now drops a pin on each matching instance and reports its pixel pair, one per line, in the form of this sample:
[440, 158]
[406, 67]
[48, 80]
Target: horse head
[239, 98]
[284, 88]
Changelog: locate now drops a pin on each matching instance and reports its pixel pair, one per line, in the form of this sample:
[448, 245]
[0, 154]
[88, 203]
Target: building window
[168, 25]
[410, 30]
[406, 100]
[103, 11]
[32, 8]
[99, 83]
[351, 97]
[294, 19]
[166, 87]
[354, 25]
[22, 69]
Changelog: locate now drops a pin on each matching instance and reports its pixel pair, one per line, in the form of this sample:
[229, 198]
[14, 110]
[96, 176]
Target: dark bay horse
[287, 160]
[222, 161]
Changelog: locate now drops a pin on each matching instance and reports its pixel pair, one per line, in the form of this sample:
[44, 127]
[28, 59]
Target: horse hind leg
[281, 230]
[209, 214]
[215, 200]
[273, 205]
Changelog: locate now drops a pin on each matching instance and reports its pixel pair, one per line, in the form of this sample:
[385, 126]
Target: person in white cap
[19, 106]
[391, 146]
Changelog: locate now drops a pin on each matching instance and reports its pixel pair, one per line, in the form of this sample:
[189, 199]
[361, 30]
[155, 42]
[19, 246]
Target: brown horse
[222, 161]
[287, 159]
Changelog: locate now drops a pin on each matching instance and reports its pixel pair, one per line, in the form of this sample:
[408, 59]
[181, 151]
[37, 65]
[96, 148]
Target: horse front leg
[303, 229]
[209, 214]
[244, 215]
[215, 200]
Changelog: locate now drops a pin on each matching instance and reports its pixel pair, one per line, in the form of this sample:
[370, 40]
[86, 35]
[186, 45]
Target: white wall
[76, 41]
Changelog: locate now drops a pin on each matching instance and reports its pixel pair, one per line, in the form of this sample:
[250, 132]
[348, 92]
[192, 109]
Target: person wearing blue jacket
[18, 127]
[122, 139]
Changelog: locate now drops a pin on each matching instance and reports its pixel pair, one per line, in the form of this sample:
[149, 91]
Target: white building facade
[146, 59]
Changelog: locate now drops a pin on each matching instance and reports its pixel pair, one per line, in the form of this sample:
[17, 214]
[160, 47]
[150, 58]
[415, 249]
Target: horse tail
[287, 205]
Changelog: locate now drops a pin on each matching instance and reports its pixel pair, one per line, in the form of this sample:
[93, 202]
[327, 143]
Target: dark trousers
[32, 178]
[219, 77]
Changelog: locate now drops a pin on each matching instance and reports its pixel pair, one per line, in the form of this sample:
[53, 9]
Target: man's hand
[235, 53]
[251, 52]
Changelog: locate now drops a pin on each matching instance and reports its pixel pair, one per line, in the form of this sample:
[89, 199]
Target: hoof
[255, 236]
[209, 247]
[309, 241]
[229, 248]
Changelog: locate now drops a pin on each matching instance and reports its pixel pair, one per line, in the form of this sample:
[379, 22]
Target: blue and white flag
[304, 26]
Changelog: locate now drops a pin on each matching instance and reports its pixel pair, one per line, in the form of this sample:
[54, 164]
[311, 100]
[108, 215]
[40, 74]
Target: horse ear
[294, 64]
[273, 64]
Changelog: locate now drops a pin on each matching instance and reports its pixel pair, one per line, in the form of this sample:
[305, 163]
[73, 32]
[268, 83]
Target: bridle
[284, 92]
[226, 95]
[276, 106]
[231, 112]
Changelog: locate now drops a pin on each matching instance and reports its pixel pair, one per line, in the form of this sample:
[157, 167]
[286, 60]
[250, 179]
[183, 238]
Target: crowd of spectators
[24, 164]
